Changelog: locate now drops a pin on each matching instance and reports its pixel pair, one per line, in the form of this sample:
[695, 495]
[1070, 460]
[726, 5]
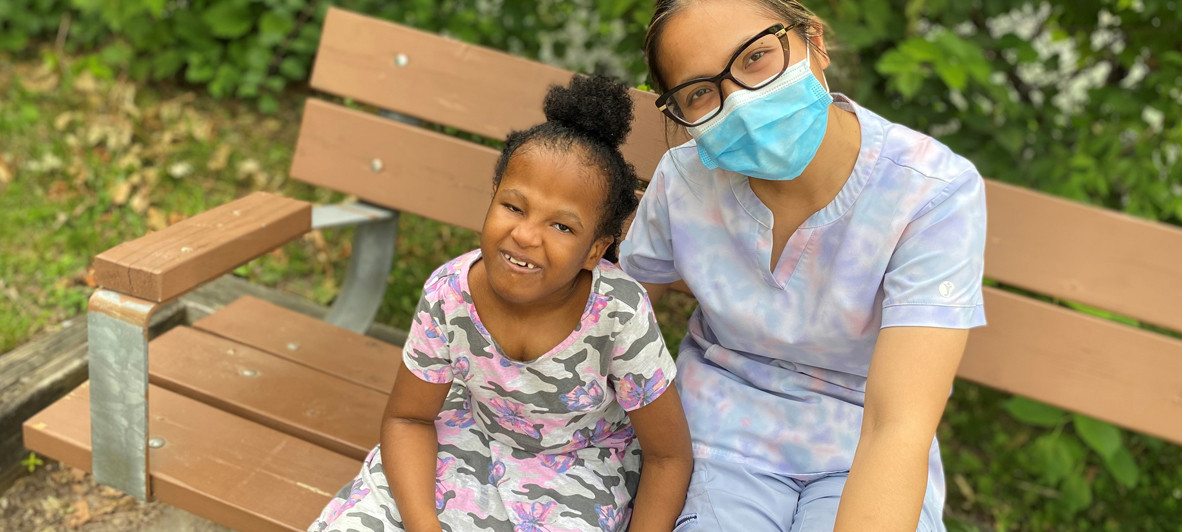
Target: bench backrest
[1052, 250]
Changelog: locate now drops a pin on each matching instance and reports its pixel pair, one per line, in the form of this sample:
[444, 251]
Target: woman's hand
[410, 448]
[668, 461]
[911, 373]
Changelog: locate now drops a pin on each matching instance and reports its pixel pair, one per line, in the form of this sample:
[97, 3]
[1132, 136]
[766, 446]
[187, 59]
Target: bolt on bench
[255, 415]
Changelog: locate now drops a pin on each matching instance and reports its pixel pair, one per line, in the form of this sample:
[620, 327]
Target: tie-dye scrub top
[773, 367]
[538, 445]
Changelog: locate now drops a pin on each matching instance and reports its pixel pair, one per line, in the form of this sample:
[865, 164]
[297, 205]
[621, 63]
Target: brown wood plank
[216, 465]
[449, 82]
[314, 406]
[1085, 254]
[1110, 371]
[421, 171]
[170, 262]
[306, 340]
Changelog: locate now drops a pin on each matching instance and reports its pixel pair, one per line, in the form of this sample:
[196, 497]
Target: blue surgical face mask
[772, 132]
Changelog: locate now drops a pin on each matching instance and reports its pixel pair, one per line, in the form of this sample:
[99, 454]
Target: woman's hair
[787, 11]
[593, 115]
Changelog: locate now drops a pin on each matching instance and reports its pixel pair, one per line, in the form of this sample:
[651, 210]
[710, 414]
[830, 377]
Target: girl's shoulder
[449, 279]
[619, 289]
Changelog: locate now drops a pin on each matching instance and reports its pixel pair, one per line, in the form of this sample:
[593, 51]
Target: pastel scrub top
[773, 368]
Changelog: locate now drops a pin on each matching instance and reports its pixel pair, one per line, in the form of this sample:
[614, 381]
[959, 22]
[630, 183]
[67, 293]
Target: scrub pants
[725, 496]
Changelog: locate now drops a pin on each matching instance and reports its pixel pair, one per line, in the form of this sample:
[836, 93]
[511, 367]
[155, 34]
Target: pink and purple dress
[543, 445]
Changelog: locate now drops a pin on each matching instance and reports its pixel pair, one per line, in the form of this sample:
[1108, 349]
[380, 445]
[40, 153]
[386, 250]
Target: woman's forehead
[700, 38]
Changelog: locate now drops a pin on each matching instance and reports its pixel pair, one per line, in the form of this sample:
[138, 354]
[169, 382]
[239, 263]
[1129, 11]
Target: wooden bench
[255, 415]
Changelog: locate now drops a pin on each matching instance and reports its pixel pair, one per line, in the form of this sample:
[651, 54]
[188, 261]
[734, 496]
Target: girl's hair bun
[594, 106]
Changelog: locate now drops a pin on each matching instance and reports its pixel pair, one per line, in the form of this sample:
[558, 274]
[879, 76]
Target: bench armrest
[168, 263]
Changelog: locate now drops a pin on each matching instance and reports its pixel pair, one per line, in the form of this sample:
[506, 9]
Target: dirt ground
[60, 498]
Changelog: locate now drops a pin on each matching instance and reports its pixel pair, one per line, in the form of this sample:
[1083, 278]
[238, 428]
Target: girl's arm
[667, 463]
[410, 448]
[911, 373]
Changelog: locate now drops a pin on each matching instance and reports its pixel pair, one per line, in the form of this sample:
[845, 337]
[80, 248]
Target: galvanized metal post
[118, 357]
[365, 280]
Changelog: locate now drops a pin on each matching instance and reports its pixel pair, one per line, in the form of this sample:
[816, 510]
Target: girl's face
[699, 39]
[540, 230]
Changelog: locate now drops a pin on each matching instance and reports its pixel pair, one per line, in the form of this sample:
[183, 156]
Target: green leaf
[1034, 413]
[1102, 437]
[1077, 493]
[229, 19]
[1053, 457]
[293, 68]
[268, 104]
[1124, 468]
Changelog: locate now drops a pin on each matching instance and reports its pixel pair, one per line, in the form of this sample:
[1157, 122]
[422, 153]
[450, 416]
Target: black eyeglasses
[761, 60]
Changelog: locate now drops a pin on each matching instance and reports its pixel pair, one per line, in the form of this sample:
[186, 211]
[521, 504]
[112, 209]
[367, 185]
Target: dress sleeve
[647, 252]
[934, 276]
[641, 367]
[426, 352]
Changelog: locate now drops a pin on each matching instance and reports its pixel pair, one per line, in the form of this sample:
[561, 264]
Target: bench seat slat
[305, 340]
[326, 410]
[1128, 376]
[213, 464]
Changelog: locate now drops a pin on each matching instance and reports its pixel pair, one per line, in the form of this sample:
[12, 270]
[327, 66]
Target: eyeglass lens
[757, 65]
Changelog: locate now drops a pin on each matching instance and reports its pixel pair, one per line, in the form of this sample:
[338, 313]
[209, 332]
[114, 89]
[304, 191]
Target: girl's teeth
[519, 263]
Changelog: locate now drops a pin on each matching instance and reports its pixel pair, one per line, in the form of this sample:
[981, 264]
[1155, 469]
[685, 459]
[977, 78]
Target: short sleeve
[647, 252]
[641, 367]
[934, 276]
[426, 353]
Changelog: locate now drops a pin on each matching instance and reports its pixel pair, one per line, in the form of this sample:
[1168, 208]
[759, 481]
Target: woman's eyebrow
[734, 50]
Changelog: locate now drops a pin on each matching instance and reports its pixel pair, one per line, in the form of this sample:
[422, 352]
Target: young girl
[845, 263]
[534, 373]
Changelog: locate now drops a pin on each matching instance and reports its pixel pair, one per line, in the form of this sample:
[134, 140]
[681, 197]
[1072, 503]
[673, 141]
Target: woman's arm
[410, 448]
[668, 461]
[911, 372]
[656, 291]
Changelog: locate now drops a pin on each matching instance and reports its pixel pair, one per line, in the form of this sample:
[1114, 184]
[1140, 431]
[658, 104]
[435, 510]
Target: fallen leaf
[120, 192]
[139, 202]
[90, 282]
[80, 514]
[58, 190]
[5, 173]
[63, 120]
[220, 158]
[156, 219]
[85, 83]
[248, 168]
[180, 170]
[174, 217]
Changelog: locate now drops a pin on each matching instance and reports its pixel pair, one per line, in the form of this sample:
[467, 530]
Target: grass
[86, 164]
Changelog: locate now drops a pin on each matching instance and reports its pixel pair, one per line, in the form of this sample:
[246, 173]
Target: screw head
[293, 346]
[156, 443]
[401, 60]
[186, 249]
[249, 373]
[376, 165]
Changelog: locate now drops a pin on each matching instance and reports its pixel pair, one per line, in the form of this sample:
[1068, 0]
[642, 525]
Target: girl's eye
[562, 228]
[512, 208]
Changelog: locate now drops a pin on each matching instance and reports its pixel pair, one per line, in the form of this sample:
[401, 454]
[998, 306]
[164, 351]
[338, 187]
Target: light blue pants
[725, 496]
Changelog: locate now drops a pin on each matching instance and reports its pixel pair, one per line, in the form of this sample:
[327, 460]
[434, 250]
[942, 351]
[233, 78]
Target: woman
[837, 261]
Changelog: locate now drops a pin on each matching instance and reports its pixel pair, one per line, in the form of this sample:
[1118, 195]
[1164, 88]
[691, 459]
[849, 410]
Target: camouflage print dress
[535, 446]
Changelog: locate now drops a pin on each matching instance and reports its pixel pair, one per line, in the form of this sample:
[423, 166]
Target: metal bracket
[117, 329]
[346, 214]
[365, 280]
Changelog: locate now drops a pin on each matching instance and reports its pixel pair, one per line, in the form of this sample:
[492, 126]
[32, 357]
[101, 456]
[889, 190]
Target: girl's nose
[526, 234]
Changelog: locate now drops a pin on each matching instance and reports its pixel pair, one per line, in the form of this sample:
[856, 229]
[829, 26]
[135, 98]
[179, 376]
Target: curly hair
[594, 115]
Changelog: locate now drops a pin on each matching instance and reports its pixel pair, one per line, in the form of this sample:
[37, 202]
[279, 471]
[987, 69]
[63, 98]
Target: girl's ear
[817, 38]
[596, 253]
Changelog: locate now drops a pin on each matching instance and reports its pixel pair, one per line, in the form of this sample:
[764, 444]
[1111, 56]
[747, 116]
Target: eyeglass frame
[778, 29]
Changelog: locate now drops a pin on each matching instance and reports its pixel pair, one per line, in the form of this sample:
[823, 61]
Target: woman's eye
[695, 95]
[755, 57]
